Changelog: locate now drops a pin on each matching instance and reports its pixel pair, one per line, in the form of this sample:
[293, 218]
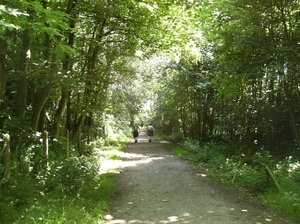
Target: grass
[178, 150]
[250, 175]
[88, 207]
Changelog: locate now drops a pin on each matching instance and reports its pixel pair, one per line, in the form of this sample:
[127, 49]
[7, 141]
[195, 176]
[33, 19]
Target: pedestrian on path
[150, 131]
[135, 132]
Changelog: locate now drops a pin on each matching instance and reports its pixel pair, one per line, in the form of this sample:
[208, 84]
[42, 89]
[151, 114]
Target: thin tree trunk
[79, 139]
[65, 93]
[46, 148]
[21, 95]
[3, 48]
[42, 97]
[43, 93]
[88, 135]
[292, 113]
[43, 118]
[60, 110]
[6, 157]
[79, 124]
[67, 144]
[272, 177]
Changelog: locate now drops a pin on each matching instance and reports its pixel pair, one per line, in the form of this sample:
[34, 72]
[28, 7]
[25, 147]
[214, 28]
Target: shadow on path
[155, 186]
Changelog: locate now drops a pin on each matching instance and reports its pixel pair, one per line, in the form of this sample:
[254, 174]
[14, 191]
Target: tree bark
[46, 148]
[42, 96]
[65, 93]
[3, 48]
[21, 95]
[292, 113]
[6, 157]
[67, 144]
[60, 110]
[273, 178]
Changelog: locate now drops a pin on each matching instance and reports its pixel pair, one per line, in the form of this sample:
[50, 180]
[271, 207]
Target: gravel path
[155, 186]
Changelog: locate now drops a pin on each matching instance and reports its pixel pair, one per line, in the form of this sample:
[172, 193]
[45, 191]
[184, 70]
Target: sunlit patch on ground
[201, 174]
[173, 218]
[157, 187]
[129, 160]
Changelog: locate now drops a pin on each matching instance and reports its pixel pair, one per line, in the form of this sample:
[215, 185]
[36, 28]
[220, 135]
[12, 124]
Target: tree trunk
[43, 93]
[79, 139]
[6, 157]
[292, 113]
[21, 95]
[272, 177]
[46, 148]
[60, 111]
[78, 125]
[65, 93]
[43, 119]
[67, 144]
[3, 48]
[42, 96]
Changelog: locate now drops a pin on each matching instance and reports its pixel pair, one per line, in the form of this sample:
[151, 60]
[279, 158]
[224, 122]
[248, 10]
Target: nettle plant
[71, 175]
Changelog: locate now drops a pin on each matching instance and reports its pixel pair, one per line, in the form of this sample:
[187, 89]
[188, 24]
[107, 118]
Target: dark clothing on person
[135, 133]
[150, 133]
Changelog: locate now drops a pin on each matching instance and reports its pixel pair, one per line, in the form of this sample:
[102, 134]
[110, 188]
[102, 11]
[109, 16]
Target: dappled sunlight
[201, 175]
[185, 217]
[169, 219]
[156, 187]
[164, 142]
[138, 160]
[128, 160]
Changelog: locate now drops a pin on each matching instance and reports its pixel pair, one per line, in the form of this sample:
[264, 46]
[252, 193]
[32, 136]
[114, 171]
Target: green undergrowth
[248, 172]
[73, 190]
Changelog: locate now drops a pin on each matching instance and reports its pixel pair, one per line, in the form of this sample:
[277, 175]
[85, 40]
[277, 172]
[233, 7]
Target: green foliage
[178, 150]
[68, 177]
[285, 201]
[232, 87]
[15, 196]
[204, 154]
[176, 137]
[252, 179]
[70, 190]
[86, 207]
[248, 172]
[231, 70]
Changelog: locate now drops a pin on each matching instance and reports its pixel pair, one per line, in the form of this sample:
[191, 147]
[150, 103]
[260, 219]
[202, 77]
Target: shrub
[252, 179]
[15, 195]
[285, 201]
[246, 168]
[70, 175]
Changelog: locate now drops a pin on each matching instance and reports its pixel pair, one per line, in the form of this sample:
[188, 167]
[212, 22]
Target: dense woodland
[76, 71]
[244, 84]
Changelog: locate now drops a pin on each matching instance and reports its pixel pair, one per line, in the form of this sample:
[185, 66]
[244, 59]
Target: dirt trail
[155, 186]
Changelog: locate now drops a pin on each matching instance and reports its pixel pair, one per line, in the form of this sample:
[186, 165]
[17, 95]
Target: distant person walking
[150, 131]
[135, 132]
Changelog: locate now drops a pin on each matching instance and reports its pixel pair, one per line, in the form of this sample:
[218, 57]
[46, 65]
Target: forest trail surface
[155, 186]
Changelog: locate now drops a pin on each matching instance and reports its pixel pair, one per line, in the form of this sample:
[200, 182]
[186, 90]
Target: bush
[16, 195]
[70, 175]
[208, 155]
[253, 180]
[285, 201]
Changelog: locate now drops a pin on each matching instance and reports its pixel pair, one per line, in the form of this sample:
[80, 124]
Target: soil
[155, 186]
